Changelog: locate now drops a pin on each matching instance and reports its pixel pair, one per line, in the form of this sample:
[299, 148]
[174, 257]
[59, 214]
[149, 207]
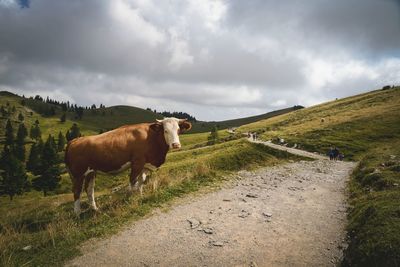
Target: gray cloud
[215, 59]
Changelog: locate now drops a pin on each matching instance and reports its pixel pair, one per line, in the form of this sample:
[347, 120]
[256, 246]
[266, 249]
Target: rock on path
[296, 219]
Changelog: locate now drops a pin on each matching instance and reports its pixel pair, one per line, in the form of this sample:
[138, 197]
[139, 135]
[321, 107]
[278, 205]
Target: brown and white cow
[141, 147]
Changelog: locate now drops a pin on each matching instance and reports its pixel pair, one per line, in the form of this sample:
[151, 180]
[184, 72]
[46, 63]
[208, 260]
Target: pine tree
[22, 133]
[20, 117]
[14, 180]
[3, 111]
[61, 142]
[35, 133]
[63, 117]
[20, 142]
[33, 162]
[50, 172]
[73, 133]
[213, 137]
[9, 134]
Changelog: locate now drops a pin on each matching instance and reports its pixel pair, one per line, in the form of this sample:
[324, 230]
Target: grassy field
[365, 128]
[48, 225]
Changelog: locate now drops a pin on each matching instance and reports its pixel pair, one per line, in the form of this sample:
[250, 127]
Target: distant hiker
[335, 153]
[248, 135]
[331, 154]
[254, 136]
[341, 156]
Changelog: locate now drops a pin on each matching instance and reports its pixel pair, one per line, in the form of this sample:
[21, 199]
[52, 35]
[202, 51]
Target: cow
[141, 147]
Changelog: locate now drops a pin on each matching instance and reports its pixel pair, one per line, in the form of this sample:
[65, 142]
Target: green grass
[50, 227]
[365, 128]
[374, 219]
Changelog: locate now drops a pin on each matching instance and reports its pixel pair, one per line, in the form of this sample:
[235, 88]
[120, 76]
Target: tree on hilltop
[9, 134]
[36, 133]
[73, 132]
[22, 133]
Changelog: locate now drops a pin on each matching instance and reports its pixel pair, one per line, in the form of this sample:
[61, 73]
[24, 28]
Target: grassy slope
[366, 128]
[201, 127]
[113, 117]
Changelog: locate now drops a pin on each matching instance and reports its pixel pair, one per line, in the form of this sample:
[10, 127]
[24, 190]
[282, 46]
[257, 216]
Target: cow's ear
[184, 126]
[157, 127]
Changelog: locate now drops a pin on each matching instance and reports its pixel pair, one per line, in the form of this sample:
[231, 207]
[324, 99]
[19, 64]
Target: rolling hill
[103, 119]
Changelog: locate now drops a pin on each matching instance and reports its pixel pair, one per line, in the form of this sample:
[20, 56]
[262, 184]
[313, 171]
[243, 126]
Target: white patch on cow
[89, 170]
[171, 128]
[144, 176]
[90, 194]
[77, 206]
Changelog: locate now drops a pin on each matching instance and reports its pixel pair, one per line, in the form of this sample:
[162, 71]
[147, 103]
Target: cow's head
[171, 128]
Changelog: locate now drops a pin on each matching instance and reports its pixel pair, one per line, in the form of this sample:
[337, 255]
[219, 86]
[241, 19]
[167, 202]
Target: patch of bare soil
[288, 215]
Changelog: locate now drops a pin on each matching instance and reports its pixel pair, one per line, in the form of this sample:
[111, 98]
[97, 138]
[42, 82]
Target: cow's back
[107, 151]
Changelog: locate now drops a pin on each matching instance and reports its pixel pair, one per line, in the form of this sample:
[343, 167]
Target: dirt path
[287, 215]
[292, 150]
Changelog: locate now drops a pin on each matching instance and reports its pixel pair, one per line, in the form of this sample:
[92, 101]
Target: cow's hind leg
[136, 179]
[77, 189]
[89, 188]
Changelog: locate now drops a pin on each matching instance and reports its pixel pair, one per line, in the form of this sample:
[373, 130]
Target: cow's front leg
[136, 171]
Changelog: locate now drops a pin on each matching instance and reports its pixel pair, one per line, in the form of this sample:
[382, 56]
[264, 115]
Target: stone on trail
[244, 214]
[209, 231]
[194, 223]
[252, 195]
[217, 243]
[267, 214]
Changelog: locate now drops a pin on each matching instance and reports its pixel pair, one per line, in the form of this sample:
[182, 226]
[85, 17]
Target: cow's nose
[176, 145]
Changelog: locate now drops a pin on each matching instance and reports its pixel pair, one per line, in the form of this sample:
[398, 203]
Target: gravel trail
[288, 215]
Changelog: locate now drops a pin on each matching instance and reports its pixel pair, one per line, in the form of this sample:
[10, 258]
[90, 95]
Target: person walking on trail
[335, 153]
[330, 153]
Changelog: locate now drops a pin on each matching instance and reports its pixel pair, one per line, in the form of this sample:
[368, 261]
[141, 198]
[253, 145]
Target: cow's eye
[165, 131]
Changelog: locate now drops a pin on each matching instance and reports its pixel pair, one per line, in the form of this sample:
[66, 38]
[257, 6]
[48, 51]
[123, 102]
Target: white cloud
[179, 48]
[133, 25]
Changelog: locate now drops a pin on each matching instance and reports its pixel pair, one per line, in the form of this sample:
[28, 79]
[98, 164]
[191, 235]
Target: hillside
[203, 126]
[365, 128]
[103, 119]
[92, 122]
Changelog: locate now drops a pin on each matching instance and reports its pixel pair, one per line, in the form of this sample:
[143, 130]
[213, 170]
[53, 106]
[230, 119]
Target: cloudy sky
[215, 59]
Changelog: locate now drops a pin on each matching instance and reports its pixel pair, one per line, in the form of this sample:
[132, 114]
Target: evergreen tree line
[43, 160]
[176, 114]
[49, 107]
